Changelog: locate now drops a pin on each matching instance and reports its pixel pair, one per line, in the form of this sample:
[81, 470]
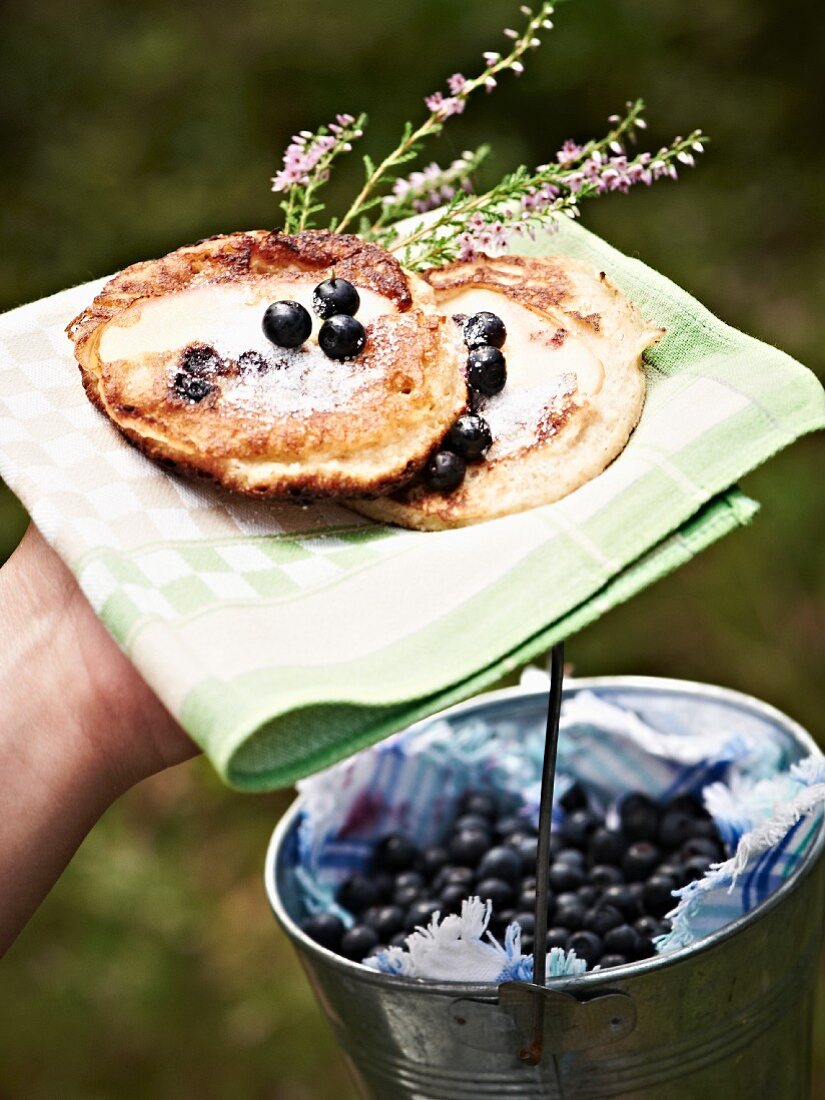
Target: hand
[78, 726]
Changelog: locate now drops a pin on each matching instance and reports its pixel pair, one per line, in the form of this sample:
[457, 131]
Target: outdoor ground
[155, 968]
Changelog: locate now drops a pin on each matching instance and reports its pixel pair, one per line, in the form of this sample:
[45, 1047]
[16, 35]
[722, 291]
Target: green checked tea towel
[284, 638]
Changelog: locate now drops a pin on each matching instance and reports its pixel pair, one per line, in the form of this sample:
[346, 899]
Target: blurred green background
[154, 968]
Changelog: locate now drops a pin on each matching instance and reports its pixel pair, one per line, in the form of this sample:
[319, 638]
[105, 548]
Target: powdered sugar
[519, 416]
[294, 382]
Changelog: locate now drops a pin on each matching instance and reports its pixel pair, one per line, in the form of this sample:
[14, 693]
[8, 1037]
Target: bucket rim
[592, 981]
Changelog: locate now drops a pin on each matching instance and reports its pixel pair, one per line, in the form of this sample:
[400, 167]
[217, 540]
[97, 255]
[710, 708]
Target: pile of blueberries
[610, 888]
[470, 438]
[336, 301]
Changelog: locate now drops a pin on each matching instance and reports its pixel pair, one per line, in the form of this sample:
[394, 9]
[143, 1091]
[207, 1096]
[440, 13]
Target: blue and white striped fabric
[412, 781]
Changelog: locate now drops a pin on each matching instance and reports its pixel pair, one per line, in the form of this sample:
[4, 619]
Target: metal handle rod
[532, 1054]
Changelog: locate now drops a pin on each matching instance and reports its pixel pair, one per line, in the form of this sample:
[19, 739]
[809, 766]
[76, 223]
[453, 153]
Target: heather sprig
[306, 167]
[430, 187]
[526, 201]
[442, 107]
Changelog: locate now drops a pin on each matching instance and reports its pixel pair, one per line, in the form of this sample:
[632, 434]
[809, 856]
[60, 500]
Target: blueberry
[639, 860]
[407, 879]
[484, 328]
[430, 860]
[674, 868]
[470, 436]
[388, 921]
[604, 874]
[487, 370]
[606, 846]
[675, 827]
[471, 821]
[602, 918]
[511, 824]
[574, 798]
[526, 901]
[621, 939]
[191, 388]
[624, 899]
[648, 927]
[570, 856]
[588, 894]
[500, 919]
[399, 940]
[528, 882]
[445, 471]
[527, 849]
[577, 827]
[357, 893]
[252, 362]
[501, 862]
[570, 914]
[587, 945]
[527, 921]
[384, 884]
[696, 867]
[566, 876]
[405, 896]
[686, 804]
[528, 942]
[479, 802]
[452, 896]
[613, 959]
[454, 876]
[645, 949]
[287, 324]
[657, 896]
[420, 913]
[468, 846]
[325, 929]
[200, 359]
[395, 852]
[335, 296]
[701, 846]
[639, 816]
[341, 337]
[557, 937]
[358, 942]
[497, 891]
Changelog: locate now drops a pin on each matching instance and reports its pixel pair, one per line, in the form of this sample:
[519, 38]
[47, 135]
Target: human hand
[78, 725]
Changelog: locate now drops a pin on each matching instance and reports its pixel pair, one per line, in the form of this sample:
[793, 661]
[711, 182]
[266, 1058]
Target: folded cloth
[284, 638]
[767, 807]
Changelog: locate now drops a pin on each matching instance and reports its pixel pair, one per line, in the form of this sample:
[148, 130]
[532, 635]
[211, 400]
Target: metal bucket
[727, 1017]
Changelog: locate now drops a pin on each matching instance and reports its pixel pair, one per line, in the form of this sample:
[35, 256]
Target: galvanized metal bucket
[728, 1017]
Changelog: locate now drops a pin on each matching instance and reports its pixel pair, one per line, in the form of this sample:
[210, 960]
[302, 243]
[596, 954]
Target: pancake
[574, 392]
[275, 422]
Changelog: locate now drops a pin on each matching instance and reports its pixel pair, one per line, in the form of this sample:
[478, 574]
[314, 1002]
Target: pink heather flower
[510, 32]
[466, 246]
[489, 84]
[444, 106]
[491, 57]
[517, 68]
[457, 83]
[304, 152]
[568, 152]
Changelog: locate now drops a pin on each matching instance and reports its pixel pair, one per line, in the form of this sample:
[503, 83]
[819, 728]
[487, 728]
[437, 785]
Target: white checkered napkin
[284, 637]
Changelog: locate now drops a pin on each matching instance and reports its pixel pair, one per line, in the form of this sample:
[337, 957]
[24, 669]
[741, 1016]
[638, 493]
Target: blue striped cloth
[770, 810]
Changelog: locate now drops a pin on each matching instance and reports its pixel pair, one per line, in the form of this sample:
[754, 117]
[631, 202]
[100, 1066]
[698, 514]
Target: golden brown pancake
[575, 387]
[275, 422]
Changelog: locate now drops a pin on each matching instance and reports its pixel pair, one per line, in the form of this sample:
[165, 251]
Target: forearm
[77, 727]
